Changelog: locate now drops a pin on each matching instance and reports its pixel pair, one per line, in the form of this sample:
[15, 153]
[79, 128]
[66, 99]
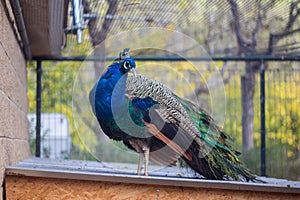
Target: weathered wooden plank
[89, 180]
[22, 187]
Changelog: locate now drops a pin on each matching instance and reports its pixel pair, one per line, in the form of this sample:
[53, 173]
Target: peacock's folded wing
[170, 109]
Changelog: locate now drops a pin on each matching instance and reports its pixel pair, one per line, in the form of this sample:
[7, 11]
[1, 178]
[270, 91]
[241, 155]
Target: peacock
[160, 126]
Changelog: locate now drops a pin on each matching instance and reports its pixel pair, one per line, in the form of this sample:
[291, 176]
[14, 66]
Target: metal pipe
[16, 8]
[127, 18]
[175, 58]
[77, 19]
[38, 107]
[262, 120]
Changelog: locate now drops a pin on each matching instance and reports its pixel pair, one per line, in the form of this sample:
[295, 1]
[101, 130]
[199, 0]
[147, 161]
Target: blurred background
[243, 40]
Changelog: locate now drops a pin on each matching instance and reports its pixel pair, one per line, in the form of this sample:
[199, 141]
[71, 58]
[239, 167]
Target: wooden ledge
[105, 174]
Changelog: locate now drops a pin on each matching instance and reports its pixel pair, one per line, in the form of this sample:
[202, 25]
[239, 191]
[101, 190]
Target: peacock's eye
[126, 65]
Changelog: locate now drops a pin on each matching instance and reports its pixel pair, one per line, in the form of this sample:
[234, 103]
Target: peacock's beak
[133, 71]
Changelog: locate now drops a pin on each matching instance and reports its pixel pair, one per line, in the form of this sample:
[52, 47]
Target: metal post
[38, 107]
[262, 120]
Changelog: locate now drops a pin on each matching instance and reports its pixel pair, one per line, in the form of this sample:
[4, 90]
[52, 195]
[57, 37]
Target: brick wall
[13, 96]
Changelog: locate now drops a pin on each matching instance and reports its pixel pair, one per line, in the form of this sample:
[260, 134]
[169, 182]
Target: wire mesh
[282, 86]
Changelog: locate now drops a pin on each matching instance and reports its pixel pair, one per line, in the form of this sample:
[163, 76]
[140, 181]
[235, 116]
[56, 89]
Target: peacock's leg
[146, 150]
[141, 160]
[142, 148]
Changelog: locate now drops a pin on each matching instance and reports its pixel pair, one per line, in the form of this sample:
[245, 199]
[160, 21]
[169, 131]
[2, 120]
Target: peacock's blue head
[127, 65]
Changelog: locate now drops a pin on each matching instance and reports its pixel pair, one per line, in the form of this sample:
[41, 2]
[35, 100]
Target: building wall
[14, 131]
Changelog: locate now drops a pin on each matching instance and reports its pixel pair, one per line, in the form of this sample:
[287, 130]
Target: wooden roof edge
[164, 178]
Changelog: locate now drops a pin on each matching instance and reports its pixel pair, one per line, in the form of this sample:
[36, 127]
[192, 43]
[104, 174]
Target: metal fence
[276, 113]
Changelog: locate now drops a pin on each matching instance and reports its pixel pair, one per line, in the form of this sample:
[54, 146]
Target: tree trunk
[248, 88]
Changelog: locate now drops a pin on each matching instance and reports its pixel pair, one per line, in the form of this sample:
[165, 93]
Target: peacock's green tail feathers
[219, 150]
[208, 130]
[232, 169]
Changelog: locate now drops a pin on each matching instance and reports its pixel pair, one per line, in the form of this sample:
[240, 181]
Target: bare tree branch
[293, 15]
[261, 15]
[244, 46]
[258, 25]
[92, 22]
[294, 12]
[211, 82]
[237, 23]
[99, 36]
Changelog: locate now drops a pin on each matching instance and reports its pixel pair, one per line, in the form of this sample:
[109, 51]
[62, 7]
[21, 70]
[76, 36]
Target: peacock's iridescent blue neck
[110, 92]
